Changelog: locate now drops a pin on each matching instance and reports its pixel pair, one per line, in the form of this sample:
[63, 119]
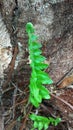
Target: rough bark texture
[5, 53]
[53, 21]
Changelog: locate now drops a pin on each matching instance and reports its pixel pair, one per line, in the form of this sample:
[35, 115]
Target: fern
[38, 79]
[38, 76]
[41, 122]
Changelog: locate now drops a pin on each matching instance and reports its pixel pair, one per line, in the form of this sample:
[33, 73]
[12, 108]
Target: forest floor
[16, 109]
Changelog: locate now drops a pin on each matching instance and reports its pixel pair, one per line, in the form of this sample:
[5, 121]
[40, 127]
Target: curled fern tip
[29, 27]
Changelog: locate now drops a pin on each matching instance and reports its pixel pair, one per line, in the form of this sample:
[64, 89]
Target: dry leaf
[66, 82]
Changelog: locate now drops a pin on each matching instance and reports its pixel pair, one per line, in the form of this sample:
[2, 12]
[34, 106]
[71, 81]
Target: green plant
[41, 122]
[38, 78]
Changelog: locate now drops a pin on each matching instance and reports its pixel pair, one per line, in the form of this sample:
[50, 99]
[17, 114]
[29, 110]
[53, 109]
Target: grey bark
[53, 21]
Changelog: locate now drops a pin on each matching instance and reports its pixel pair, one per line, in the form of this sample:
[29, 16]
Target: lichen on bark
[5, 48]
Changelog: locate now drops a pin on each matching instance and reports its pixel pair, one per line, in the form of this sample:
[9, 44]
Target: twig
[14, 99]
[23, 101]
[12, 66]
[63, 77]
[25, 119]
[63, 101]
[8, 89]
[17, 87]
[48, 110]
[11, 125]
[2, 123]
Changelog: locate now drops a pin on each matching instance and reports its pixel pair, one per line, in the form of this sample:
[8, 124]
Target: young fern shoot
[38, 76]
[37, 80]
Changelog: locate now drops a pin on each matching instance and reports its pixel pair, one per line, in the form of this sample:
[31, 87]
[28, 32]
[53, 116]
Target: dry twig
[63, 101]
[25, 119]
[12, 66]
